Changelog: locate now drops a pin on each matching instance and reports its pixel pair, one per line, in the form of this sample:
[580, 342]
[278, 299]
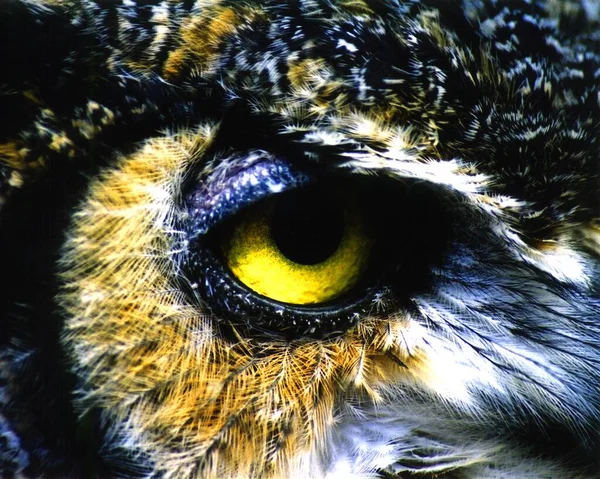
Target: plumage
[462, 136]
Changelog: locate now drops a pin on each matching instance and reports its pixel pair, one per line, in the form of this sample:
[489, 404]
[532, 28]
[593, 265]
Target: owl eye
[303, 247]
[301, 254]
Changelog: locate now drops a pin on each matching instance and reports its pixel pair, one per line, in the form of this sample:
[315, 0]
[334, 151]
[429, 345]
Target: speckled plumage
[472, 128]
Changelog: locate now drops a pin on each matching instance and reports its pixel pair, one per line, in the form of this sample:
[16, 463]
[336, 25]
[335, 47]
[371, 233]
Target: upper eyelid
[214, 200]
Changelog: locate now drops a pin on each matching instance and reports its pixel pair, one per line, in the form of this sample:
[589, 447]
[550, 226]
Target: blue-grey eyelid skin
[209, 205]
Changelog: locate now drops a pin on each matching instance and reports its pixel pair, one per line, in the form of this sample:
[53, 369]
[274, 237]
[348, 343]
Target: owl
[300, 239]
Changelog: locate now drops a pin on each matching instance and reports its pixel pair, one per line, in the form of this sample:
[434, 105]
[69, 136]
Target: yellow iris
[255, 258]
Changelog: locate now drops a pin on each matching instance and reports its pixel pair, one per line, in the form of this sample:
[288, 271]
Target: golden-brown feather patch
[155, 362]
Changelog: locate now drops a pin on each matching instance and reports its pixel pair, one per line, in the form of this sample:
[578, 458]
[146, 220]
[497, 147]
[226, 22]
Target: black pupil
[307, 226]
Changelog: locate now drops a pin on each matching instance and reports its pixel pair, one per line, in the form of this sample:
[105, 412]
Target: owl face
[302, 239]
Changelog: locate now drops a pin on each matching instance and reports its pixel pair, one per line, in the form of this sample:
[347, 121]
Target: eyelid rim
[213, 202]
[268, 318]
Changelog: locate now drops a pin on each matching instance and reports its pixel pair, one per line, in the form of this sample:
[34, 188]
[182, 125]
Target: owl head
[300, 239]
